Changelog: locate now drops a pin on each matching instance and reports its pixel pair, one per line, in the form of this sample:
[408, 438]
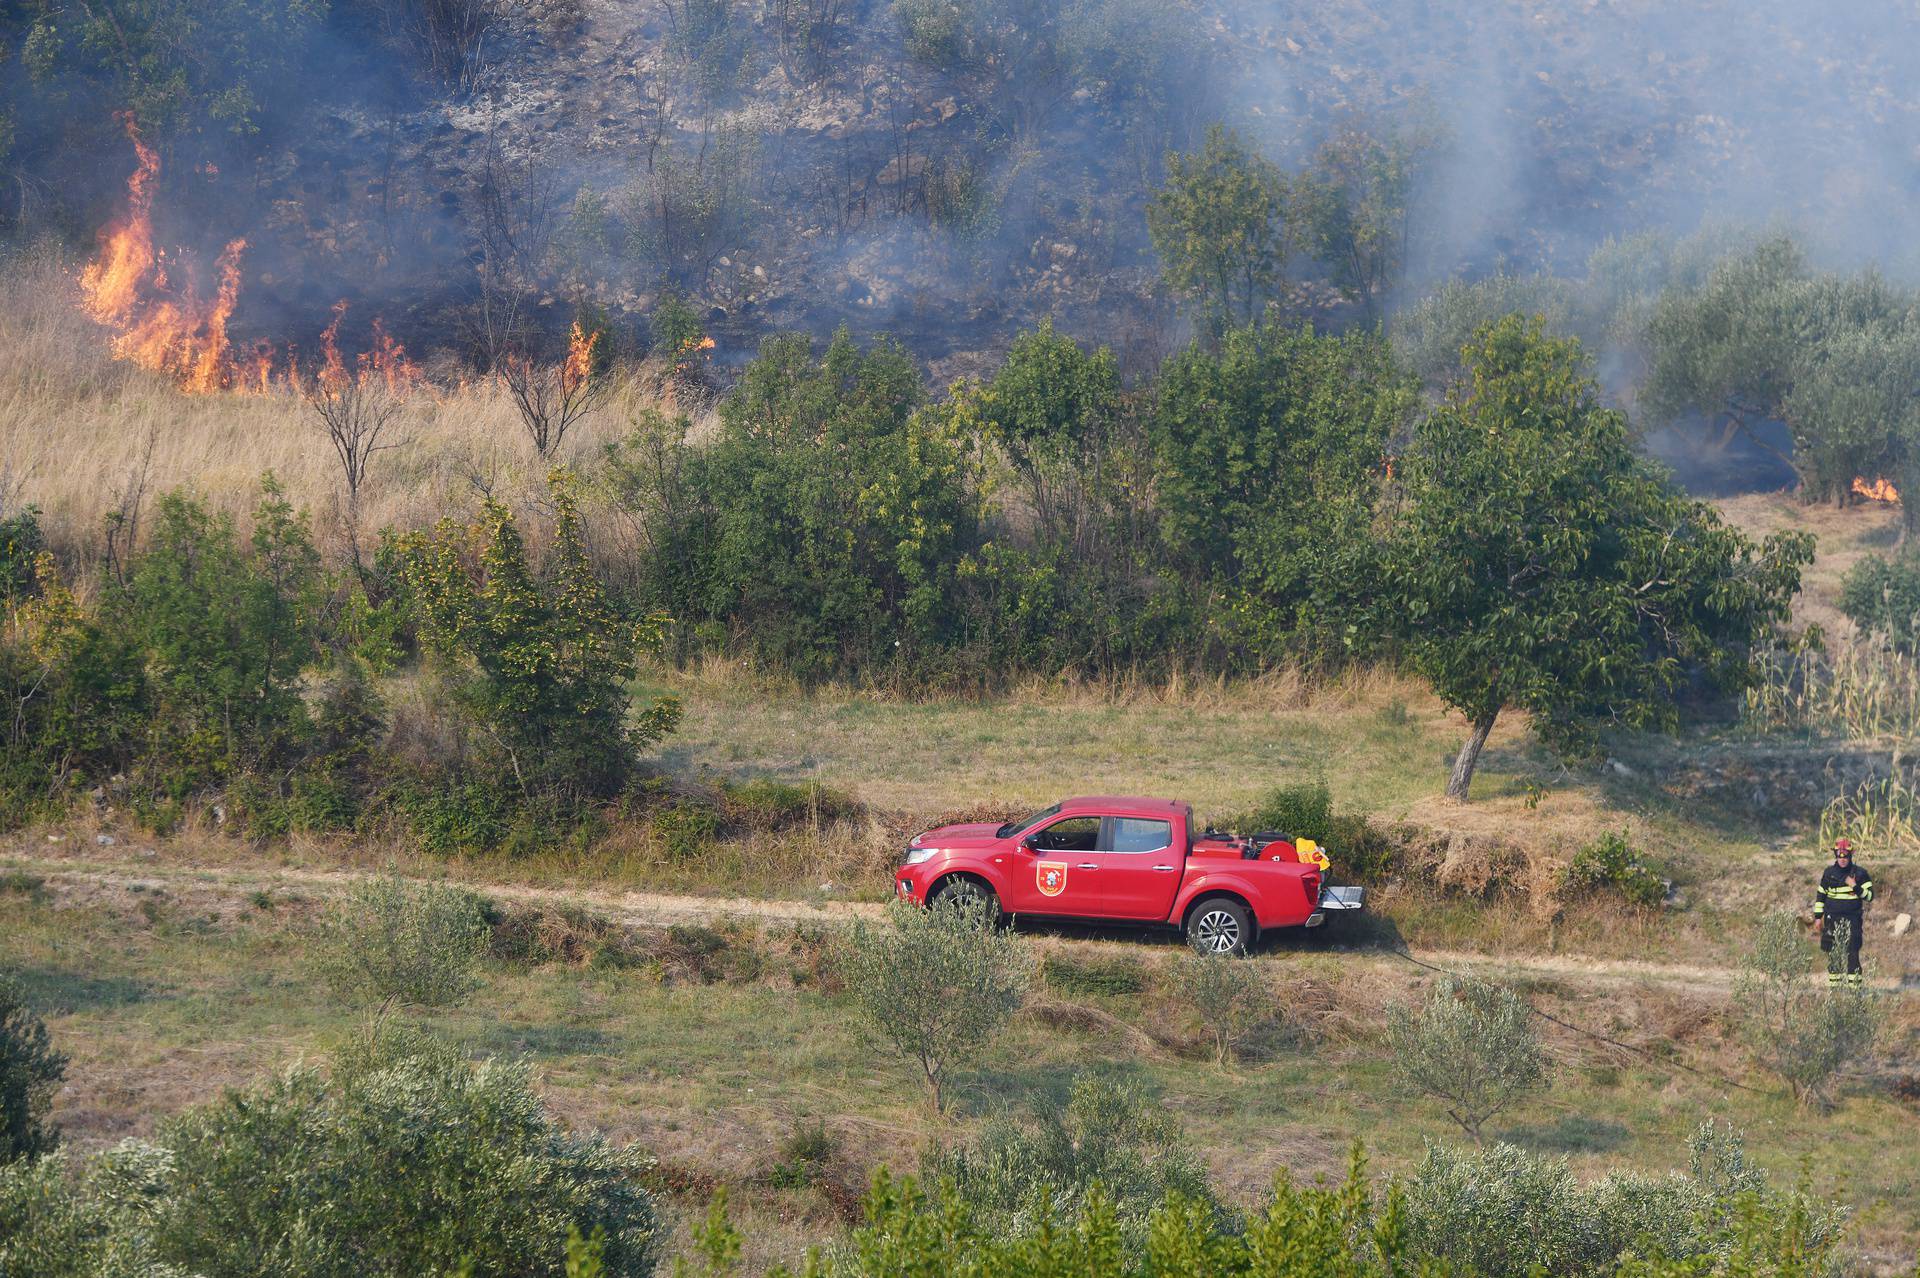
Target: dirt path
[83, 873]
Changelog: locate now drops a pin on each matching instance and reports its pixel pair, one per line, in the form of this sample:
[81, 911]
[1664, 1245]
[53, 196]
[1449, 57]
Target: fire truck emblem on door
[1050, 876]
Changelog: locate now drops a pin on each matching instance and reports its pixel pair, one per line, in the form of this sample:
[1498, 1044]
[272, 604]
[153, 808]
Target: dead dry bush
[536, 935]
[1483, 867]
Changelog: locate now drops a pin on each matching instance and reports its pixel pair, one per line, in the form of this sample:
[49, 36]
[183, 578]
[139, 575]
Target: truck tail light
[1311, 882]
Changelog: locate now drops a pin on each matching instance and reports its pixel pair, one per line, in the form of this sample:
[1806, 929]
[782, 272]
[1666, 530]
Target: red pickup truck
[1128, 860]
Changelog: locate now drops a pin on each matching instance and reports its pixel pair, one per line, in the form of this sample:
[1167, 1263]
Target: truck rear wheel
[1219, 925]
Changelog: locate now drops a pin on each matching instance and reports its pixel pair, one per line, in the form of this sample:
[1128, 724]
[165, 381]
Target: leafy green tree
[1763, 338]
[1224, 226]
[1054, 410]
[1471, 1046]
[1430, 335]
[1356, 200]
[1539, 562]
[1855, 410]
[228, 631]
[938, 983]
[1270, 452]
[826, 524]
[539, 662]
[30, 1073]
[1726, 349]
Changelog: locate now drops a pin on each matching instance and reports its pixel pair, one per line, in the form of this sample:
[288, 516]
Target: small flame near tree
[1877, 490]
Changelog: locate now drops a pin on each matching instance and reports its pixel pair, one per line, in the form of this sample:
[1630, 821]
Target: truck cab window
[1075, 834]
[1139, 834]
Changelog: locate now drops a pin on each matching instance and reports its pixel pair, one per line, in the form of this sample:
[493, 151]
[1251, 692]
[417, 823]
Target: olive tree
[1226, 992]
[1539, 562]
[1471, 1046]
[394, 942]
[1802, 1033]
[937, 983]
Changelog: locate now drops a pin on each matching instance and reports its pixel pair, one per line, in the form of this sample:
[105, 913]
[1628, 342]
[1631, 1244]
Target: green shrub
[803, 1154]
[1461, 1206]
[1803, 1033]
[685, 830]
[1303, 809]
[73, 698]
[1471, 1046]
[20, 545]
[935, 31]
[937, 984]
[1228, 995]
[1487, 1215]
[1881, 595]
[1109, 1134]
[710, 39]
[1612, 864]
[470, 816]
[539, 663]
[1360, 849]
[228, 631]
[764, 804]
[1106, 977]
[30, 1073]
[426, 1156]
[396, 942]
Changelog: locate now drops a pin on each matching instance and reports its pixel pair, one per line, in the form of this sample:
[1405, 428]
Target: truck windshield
[1014, 827]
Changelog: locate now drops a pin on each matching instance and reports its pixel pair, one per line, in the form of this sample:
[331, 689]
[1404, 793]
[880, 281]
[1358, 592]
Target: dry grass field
[80, 432]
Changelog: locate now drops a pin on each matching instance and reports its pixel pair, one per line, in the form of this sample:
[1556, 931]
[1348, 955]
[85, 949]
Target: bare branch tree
[356, 406]
[552, 396]
[123, 519]
[518, 214]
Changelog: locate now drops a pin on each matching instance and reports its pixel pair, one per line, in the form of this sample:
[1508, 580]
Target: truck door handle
[1163, 869]
[1086, 865]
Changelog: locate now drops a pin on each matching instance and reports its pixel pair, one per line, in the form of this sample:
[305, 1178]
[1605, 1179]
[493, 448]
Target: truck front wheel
[963, 891]
[1220, 925]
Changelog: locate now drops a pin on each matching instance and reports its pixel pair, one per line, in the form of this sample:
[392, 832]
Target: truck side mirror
[1030, 843]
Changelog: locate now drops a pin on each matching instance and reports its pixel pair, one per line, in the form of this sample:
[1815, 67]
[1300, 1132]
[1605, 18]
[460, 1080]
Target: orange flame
[579, 365]
[386, 364]
[1878, 490]
[128, 288]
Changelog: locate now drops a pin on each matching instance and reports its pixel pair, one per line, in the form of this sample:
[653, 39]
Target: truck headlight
[916, 855]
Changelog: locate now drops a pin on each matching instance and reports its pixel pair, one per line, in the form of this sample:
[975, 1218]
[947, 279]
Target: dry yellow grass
[77, 428]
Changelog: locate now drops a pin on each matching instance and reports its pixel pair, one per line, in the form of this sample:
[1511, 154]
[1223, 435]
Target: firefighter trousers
[1840, 938]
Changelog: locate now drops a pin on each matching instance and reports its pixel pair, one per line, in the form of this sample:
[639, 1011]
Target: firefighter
[1841, 899]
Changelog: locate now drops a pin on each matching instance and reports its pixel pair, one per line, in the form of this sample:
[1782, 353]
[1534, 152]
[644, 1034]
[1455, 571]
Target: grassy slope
[163, 996]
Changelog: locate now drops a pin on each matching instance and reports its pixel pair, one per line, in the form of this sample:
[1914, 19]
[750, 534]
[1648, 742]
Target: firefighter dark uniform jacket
[1842, 891]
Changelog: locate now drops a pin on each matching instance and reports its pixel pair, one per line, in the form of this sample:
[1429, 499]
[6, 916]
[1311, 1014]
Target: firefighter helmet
[1843, 844]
